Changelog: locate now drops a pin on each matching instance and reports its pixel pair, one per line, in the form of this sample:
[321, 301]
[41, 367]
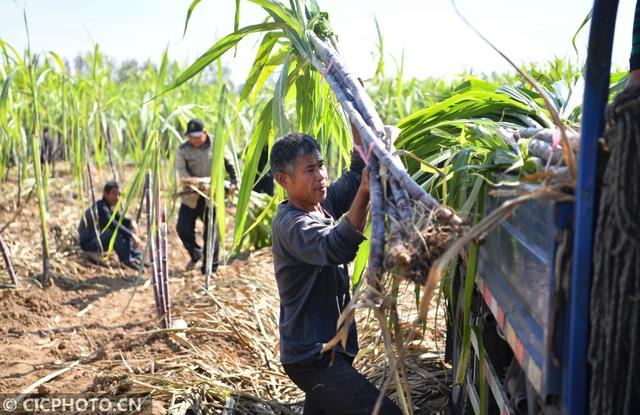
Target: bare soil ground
[96, 326]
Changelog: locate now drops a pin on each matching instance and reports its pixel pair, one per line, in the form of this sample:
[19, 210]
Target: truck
[531, 287]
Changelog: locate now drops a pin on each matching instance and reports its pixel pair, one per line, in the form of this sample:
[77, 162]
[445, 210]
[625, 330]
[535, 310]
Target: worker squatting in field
[97, 228]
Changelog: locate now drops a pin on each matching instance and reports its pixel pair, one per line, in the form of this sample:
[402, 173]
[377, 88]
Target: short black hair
[109, 186]
[285, 151]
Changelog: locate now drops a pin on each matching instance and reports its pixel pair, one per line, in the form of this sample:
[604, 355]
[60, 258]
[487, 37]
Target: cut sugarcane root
[417, 243]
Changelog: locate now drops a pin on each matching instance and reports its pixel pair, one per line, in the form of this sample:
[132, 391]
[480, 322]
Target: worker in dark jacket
[193, 161]
[100, 220]
[312, 243]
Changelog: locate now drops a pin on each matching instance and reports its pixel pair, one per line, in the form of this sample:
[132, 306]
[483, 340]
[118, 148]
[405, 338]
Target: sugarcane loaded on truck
[554, 311]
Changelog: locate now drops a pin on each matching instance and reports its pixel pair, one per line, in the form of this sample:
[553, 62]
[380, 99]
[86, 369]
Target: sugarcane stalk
[362, 101]
[158, 277]
[392, 212]
[19, 167]
[151, 244]
[165, 268]
[7, 261]
[395, 168]
[209, 244]
[349, 98]
[401, 200]
[376, 254]
[46, 278]
[403, 214]
[142, 197]
[159, 254]
[544, 150]
[547, 134]
[94, 209]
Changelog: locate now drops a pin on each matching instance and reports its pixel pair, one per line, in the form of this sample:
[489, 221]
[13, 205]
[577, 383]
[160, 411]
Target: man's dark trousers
[337, 389]
[123, 246]
[186, 228]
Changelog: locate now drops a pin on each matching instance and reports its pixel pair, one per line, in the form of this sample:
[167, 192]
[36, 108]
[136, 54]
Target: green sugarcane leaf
[471, 199]
[193, 5]
[263, 214]
[259, 138]
[399, 97]
[305, 108]
[280, 121]
[16, 56]
[469, 285]
[582, 25]
[162, 72]
[133, 189]
[280, 13]
[42, 77]
[131, 194]
[379, 74]
[236, 19]
[4, 96]
[313, 7]
[275, 60]
[260, 62]
[360, 263]
[217, 168]
[58, 61]
[218, 50]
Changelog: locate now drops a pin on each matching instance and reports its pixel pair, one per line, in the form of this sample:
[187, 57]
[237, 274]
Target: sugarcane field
[320, 207]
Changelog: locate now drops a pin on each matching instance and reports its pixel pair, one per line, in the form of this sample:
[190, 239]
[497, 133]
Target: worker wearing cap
[193, 160]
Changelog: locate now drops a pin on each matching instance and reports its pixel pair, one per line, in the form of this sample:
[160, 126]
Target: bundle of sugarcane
[544, 143]
[419, 227]
[157, 248]
[199, 185]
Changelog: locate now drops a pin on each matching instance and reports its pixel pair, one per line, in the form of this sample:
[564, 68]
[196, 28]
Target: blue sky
[434, 39]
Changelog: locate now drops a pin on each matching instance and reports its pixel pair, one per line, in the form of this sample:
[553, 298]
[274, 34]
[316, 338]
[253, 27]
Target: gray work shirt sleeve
[180, 164]
[312, 242]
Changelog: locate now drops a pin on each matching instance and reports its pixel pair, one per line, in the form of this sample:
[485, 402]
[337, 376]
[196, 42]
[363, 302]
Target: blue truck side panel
[595, 99]
[517, 266]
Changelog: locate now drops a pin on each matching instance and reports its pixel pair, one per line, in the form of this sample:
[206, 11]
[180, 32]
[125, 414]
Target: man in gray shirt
[311, 247]
[193, 160]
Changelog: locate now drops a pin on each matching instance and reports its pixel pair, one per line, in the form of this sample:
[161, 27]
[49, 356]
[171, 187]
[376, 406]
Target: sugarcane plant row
[420, 227]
